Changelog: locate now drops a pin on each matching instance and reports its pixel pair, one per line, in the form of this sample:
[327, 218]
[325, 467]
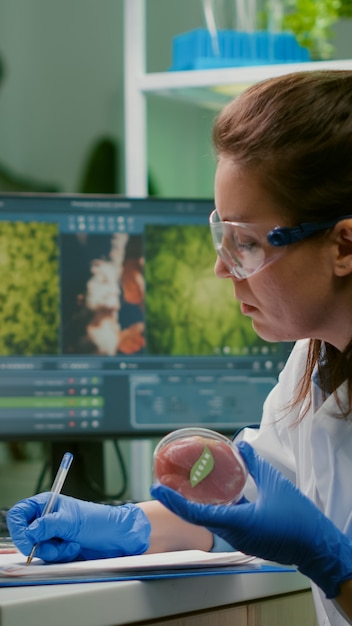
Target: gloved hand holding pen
[282, 525]
[77, 529]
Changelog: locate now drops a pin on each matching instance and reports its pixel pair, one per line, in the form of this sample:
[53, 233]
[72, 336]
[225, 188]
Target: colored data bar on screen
[39, 403]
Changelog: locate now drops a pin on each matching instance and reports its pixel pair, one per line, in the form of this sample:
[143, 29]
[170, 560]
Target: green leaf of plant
[202, 467]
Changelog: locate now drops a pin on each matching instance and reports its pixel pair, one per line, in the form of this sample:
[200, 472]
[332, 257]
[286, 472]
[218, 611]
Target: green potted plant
[311, 21]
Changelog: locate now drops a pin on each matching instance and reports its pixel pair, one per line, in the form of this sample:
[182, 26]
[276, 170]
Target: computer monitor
[113, 324]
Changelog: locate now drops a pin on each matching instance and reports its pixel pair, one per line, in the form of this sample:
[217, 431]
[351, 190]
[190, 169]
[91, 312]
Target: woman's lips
[247, 309]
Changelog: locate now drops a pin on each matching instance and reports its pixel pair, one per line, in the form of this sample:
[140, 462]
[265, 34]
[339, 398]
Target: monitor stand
[86, 471]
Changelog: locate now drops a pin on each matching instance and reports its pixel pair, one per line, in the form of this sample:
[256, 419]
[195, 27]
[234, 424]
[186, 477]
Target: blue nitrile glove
[282, 525]
[78, 529]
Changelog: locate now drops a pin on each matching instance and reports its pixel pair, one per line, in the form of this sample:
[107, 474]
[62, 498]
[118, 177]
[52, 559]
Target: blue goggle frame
[284, 236]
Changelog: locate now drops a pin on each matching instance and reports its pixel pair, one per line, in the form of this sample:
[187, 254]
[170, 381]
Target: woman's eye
[248, 246]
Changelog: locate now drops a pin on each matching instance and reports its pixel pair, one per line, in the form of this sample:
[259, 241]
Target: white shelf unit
[205, 87]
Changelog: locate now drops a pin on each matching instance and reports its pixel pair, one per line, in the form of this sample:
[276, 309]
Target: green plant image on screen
[29, 288]
[189, 311]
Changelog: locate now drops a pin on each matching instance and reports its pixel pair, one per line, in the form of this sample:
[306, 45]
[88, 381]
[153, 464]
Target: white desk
[129, 602]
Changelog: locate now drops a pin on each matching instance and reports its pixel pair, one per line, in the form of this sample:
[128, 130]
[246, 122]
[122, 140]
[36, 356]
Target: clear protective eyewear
[245, 250]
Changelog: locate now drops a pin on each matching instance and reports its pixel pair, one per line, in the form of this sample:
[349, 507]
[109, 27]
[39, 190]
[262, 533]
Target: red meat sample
[176, 466]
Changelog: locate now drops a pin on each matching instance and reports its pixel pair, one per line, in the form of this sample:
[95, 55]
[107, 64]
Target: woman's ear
[343, 240]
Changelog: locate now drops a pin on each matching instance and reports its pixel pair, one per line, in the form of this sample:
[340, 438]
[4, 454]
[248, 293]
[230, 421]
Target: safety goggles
[245, 250]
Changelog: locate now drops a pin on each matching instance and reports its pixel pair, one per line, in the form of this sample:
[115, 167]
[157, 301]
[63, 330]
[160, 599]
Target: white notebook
[14, 565]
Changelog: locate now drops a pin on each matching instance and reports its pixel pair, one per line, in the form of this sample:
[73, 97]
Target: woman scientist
[282, 229]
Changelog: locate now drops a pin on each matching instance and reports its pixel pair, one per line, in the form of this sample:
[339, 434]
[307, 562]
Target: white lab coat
[315, 454]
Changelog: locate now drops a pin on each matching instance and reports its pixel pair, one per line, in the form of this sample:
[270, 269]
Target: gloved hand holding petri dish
[200, 464]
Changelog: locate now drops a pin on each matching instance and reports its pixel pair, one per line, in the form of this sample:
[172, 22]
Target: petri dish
[200, 464]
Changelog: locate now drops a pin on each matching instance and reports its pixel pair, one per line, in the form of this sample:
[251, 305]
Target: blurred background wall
[62, 92]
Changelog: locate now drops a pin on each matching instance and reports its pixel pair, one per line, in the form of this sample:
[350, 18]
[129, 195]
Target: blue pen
[54, 492]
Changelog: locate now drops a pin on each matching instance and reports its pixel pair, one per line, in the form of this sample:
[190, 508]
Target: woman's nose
[221, 269]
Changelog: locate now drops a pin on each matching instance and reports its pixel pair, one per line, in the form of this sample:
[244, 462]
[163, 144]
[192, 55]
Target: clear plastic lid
[201, 464]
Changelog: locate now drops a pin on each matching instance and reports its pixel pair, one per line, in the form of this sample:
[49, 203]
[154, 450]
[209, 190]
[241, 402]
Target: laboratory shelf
[213, 88]
[161, 82]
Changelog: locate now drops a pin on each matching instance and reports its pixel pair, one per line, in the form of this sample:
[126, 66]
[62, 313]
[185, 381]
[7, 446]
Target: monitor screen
[113, 324]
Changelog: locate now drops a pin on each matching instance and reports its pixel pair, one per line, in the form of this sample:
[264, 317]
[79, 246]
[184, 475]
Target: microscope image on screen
[102, 294]
[29, 292]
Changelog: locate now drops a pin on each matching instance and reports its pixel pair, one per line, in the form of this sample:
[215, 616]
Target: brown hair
[296, 132]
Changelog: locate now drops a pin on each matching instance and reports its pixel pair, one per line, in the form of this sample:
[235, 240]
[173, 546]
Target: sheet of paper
[14, 565]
